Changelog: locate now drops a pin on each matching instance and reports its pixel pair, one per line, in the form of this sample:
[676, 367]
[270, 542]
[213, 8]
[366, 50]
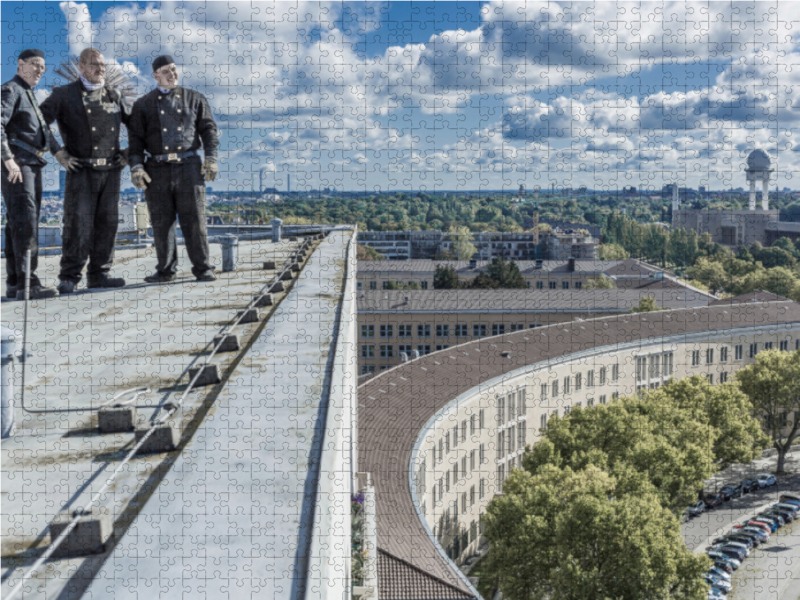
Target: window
[423, 284]
[464, 430]
[441, 489]
[589, 402]
[668, 364]
[405, 348]
[404, 330]
[543, 391]
[501, 444]
[482, 453]
[479, 330]
[501, 410]
[695, 357]
[455, 472]
[447, 443]
[472, 420]
[447, 481]
[461, 330]
[768, 345]
[523, 402]
[603, 375]
[512, 406]
[603, 399]
[498, 328]
[711, 379]
[543, 422]
[753, 349]
[521, 433]
[567, 384]
[737, 352]
[471, 460]
[424, 349]
[442, 346]
[501, 475]
[554, 388]
[384, 367]
[373, 285]
[655, 366]
[565, 285]
[481, 421]
[367, 350]
[481, 489]
[641, 368]
[552, 285]
[614, 373]
[517, 326]
[578, 285]
[472, 496]
[614, 395]
[539, 285]
[359, 285]
[797, 344]
[385, 285]
[387, 351]
[463, 502]
[709, 356]
[566, 410]
[368, 331]
[387, 331]
[723, 377]
[590, 378]
[464, 466]
[423, 330]
[784, 345]
[367, 369]
[578, 381]
[443, 331]
[441, 449]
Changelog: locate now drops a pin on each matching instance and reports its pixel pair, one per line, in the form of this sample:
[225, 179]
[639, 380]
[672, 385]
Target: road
[772, 572]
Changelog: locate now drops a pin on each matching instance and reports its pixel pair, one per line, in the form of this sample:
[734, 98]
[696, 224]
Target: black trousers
[23, 204]
[91, 218]
[177, 193]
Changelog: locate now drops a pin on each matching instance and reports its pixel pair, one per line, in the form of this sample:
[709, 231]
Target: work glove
[70, 163]
[210, 169]
[121, 159]
[140, 178]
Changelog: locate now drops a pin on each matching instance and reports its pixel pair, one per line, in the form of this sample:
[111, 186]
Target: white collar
[163, 91]
[92, 87]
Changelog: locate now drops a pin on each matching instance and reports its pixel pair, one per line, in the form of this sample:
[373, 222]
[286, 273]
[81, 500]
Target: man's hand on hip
[210, 169]
[14, 172]
[70, 163]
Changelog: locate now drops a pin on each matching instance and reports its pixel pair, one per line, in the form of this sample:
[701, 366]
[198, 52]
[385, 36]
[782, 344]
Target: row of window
[603, 399]
[424, 330]
[738, 351]
[655, 366]
[511, 439]
[578, 380]
[387, 351]
[476, 423]
[453, 475]
[423, 284]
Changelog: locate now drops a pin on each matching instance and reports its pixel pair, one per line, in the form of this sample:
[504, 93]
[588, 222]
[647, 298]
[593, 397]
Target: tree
[563, 534]
[506, 273]
[462, 242]
[445, 278]
[612, 252]
[600, 283]
[399, 285]
[773, 386]
[368, 253]
[646, 304]
[710, 273]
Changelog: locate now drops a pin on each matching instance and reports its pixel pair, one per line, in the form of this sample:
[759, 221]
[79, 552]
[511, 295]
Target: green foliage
[462, 243]
[368, 253]
[612, 252]
[563, 534]
[646, 304]
[599, 283]
[773, 385]
[399, 285]
[445, 278]
[501, 273]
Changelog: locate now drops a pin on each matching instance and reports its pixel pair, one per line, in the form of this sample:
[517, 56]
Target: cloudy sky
[461, 95]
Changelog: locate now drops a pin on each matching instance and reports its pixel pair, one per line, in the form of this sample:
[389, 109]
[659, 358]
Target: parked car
[786, 496]
[750, 485]
[717, 582]
[785, 515]
[766, 480]
[715, 594]
[769, 527]
[695, 509]
[731, 491]
[738, 538]
[745, 548]
[762, 535]
[712, 500]
[765, 516]
[721, 573]
[786, 506]
[731, 551]
[748, 535]
[792, 502]
[723, 566]
[718, 556]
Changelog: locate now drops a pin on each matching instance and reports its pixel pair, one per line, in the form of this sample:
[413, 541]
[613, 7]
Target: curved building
[439, 434]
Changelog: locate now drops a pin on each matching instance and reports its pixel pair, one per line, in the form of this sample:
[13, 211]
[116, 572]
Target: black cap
[33, 52]
[161, 61]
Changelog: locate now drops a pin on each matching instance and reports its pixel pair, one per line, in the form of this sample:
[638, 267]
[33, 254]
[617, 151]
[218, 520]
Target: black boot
[104, 281]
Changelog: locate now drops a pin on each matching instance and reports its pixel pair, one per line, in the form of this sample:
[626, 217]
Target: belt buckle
[40, 153]
[173, 156]
[100, 162]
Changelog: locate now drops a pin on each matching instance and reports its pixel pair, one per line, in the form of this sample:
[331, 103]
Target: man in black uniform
[90, 116]
[169, 124]
[24, 140]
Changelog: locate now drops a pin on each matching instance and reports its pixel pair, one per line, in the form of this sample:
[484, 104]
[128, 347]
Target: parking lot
[772, 571]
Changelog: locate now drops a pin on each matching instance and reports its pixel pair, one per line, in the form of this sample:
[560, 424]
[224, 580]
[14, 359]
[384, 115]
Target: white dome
[758, 161]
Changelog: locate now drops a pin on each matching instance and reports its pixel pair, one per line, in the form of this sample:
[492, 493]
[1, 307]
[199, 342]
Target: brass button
[180, 128]
[88, 110]
[159, 97]
[93, 128]
[165, 128]
[179, 110]
[162, 112]
[166, 147]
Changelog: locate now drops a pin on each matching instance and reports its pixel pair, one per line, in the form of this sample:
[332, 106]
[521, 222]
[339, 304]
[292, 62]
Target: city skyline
[472, 96]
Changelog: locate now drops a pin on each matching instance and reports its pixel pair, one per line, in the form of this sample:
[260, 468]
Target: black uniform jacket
[66, 106]
[176, 122]
[19, 121]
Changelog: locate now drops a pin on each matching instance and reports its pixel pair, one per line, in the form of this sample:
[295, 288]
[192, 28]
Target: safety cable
[173, 408]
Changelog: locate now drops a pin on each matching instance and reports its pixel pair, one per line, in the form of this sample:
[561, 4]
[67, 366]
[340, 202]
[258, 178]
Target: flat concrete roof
[227, 513]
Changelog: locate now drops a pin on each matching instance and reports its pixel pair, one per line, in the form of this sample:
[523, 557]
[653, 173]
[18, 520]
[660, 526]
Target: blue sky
[467, 95]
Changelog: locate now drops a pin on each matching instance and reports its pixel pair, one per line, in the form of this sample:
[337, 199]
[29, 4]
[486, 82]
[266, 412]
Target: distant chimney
[473, 263]
[406, 301]
[675, 201]
[571, 265]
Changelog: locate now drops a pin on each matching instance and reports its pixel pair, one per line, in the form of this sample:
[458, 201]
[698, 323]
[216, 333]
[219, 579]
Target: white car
[766, 480]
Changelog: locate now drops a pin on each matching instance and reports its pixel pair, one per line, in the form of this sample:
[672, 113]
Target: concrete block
[164, 438]
[265, 300]
[251, 315]
[276, 287]
[296, 267]
[292, 238]
[230, 342]
[287, 275]
[209, 376]
[116, 419]
[269, 264]
[88, 537]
